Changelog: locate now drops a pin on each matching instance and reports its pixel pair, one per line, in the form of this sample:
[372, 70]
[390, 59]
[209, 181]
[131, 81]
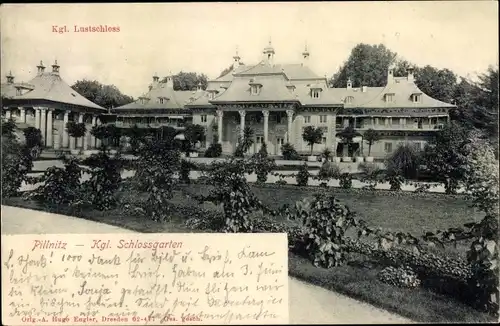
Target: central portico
[271, 123]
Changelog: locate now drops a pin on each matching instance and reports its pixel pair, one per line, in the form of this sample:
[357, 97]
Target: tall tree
[107, 96]
[367, 66]
[188, 81]
[437, 83]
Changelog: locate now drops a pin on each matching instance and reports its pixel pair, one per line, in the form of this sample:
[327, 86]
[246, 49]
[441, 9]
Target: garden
[426, 256]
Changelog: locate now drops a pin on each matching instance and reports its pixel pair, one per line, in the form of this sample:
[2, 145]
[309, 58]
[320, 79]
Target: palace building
[48, 103]
[277, 101]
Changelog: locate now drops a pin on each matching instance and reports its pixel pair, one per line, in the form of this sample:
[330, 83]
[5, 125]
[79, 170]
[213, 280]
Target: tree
[312, 136]
[194, 133]
[404, 161]
[367, 65]
[482, 178]
[437, 83]
[75, 130]
[188, 81]
[244, 142]
[347, 135]
[107, 96]
[445, 155]
[108, 134]
[371, 137]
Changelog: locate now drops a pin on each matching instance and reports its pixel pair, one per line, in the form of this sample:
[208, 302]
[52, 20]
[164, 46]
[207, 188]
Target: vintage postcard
[249, 163]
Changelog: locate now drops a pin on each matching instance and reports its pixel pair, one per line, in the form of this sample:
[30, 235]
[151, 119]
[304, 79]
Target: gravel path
[309, 304]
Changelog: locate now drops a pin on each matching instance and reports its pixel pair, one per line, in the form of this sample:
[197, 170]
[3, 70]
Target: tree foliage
[371, 137]
[312, 135]
[188, 81]
[194, 133]
[107, 96]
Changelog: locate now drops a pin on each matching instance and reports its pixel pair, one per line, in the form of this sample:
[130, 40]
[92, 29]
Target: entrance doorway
[280, 141]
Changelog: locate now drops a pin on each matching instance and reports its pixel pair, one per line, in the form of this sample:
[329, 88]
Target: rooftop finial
[55, 67]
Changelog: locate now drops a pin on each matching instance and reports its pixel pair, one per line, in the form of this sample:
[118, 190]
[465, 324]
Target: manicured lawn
[405, 213]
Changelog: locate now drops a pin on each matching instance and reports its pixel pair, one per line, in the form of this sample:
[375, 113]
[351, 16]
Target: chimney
[410, 71]
[10, 78]
[363, 89]
[55, 68]
[170, 81]
[390, 73]
[156, 79]
[305, 57]
[41, 68]
[200, 87]
[236, 62]
[349, 83]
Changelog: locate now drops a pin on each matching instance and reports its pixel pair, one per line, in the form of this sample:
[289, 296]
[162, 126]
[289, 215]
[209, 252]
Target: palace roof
[273, 89]
[50, 86]
[162, 96]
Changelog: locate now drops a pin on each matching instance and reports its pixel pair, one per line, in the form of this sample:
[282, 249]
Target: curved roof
[50, 86]
[171, 99]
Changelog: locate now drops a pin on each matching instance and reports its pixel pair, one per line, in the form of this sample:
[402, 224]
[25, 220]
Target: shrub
[244, 142]
[214, 150]
[104, 181]
[303, 175]
[404, 161]
[33, 137]
[400, 277]
[203, 219]
[157, 165]
[324, 221]
[231, 189]
[289, 153]
[17, 161]
[328, 171]
[61, 186]
[345, 180]
[263, 165]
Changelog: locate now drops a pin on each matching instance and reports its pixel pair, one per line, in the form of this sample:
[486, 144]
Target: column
[266, 125]
[220, 114]
[289, 114]
[22, 114]
[37, 117]
[92, 137]
[97, 140]
[65, 138]
[43, 124]
[242, 122]
[80, 140]
[334, 134]
[49, 142]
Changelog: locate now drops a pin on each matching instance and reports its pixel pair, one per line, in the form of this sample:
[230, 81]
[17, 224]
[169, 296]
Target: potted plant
[326, 155]
[358, 156]
[347, 135]
[312, 136]
[370, 137]
[75, 130]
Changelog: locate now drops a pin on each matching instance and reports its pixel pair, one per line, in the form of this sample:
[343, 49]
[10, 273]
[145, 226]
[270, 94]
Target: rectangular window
[418, 146]
[315, 94]
[204, 118]
[394, 121]
[388, 147]
[307, 119]
[338, 122]
[322, 119]
[161, 100]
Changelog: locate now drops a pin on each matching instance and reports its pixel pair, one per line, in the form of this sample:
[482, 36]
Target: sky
[166, 38]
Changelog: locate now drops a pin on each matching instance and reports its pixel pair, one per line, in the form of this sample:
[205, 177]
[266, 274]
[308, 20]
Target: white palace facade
[277, 101]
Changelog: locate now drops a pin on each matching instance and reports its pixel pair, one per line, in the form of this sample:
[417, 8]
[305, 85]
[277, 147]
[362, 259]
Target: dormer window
[416, 98]
[389, 97]
[143, 100]
[349, 99]
[254, 86]
[161, 100]
[255, 89]
[19, 91]
[315, 93]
